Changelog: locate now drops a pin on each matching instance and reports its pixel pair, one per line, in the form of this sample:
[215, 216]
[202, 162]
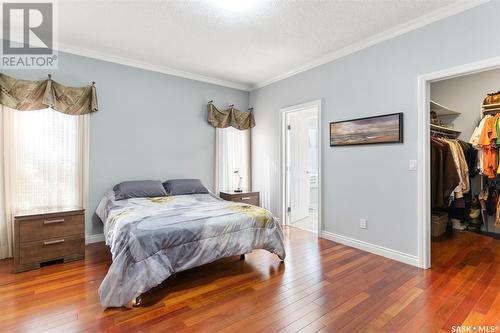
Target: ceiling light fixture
[235, 5]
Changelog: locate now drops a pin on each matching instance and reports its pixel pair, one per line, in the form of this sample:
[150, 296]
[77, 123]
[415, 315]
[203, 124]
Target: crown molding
[66, 48]
[417, 23]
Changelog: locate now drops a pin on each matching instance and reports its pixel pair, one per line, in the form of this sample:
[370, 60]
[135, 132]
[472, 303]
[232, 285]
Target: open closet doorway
[301, 161]
[461, 154]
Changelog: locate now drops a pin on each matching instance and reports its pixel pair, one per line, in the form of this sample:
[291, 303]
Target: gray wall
[370, 182]
[149, 125]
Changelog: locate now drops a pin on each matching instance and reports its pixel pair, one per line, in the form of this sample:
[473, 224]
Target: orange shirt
[490, 161]
[487, 141]
[489, 132]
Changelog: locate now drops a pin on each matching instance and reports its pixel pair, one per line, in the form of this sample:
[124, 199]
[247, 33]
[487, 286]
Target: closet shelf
[491, 106]
[442, 110]
[437, 128]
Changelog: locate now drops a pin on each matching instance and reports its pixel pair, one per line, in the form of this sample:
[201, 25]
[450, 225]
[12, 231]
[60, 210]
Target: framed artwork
[386, 128]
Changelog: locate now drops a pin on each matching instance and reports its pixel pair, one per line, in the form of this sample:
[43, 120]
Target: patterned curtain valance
[231, 117]
[27, 95]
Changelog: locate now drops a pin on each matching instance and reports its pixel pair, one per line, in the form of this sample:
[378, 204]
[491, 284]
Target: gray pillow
[139, 189]
[184, 186]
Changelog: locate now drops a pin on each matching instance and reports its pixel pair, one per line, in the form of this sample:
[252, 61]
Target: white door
[298, 157]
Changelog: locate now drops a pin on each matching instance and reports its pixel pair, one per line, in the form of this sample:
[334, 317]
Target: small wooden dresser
[48, 235]
[252, 198]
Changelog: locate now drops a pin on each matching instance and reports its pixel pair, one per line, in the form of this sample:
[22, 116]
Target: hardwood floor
[322, 286]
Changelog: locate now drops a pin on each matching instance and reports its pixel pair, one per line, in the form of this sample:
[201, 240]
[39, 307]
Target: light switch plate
[412, 165]
[362, 223]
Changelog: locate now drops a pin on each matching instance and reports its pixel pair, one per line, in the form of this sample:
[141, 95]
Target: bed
[152, 238]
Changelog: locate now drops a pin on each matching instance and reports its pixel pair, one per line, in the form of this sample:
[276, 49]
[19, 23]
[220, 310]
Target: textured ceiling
[248, 46]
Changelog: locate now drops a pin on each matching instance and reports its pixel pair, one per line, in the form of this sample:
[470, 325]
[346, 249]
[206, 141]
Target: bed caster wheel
[242, 256]
[134, 303]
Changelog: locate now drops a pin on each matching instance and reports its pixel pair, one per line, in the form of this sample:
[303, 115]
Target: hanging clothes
[463, 168]
[470, 157]
[444, 174]
[487, 142]
[497, 215]
[474, 140]
[460, 165]
[450, 175]
[497, 141]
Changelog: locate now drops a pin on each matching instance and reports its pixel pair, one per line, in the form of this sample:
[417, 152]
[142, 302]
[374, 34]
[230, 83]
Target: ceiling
[238, 43]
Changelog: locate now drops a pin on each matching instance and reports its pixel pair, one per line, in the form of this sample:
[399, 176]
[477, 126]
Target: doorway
[425, 106]
[301, 161]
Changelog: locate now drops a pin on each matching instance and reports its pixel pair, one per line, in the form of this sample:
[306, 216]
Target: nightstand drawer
[249, 199]
[52, 248]
[50, 227]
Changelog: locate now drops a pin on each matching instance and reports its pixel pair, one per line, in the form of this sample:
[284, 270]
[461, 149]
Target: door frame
[284, 190]
[423, 139]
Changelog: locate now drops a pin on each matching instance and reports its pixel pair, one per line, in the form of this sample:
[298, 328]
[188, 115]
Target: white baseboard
[375, 249]
[94, 238]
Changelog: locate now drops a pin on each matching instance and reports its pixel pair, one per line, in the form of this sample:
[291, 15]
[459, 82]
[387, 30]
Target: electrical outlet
[362, 223]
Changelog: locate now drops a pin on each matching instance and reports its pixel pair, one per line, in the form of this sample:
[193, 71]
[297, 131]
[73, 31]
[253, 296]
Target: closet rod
[448, 135]
[443, 129]
[491, 111]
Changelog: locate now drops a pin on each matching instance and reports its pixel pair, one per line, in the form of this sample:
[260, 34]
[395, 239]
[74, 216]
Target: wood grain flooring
[322, 286]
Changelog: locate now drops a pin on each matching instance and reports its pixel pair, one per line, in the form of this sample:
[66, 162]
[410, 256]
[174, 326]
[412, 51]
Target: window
[232, 154]
[45, 159]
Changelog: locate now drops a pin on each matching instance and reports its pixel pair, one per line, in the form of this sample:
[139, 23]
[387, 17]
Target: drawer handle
[246, 198]
[57, 241]
[53, 221]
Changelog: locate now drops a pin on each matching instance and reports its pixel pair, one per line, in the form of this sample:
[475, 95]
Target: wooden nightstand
[48, 235]
[252, 198]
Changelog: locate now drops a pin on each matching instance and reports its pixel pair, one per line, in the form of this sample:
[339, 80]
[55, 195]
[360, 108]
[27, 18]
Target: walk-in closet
[465, 163]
